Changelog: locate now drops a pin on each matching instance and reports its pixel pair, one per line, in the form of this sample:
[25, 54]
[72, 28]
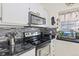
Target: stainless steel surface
[34, 19]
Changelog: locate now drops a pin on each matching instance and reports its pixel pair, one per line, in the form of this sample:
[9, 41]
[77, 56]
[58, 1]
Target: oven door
[43, 50]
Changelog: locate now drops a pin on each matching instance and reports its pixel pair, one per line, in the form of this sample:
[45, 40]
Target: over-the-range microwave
[35, 19]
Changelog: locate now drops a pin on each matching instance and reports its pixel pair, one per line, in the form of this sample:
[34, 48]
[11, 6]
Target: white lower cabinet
[64, 48]
[29, 53]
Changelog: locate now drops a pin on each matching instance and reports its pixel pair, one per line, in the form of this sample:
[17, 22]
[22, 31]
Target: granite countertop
[70, 40]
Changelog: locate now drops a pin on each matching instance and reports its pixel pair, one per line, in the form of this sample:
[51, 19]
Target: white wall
[18, 13]
[54, 8]
[47, 16]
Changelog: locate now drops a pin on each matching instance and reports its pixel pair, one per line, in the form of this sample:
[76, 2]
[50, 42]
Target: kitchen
[39, 29]
[24, 30]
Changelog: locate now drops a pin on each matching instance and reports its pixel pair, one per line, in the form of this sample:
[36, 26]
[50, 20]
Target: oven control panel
[28, 34]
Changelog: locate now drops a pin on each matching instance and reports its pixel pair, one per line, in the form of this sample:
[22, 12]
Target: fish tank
[66, 35]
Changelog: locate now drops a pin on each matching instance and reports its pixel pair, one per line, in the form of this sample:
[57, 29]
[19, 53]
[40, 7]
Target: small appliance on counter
[52, 20]
[21, 41]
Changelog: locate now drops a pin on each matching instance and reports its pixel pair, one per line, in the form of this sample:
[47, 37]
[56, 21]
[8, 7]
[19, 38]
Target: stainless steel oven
[44, 48]
[35, 19]
[40, 40]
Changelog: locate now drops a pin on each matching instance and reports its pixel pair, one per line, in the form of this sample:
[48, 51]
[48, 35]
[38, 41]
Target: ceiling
[54, 8]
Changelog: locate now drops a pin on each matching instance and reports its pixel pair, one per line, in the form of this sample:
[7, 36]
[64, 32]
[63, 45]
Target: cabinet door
[15, 13]
[29, 53]
[64, 48]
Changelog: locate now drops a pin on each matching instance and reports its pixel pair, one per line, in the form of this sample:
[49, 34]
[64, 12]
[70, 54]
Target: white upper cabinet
[15, 13]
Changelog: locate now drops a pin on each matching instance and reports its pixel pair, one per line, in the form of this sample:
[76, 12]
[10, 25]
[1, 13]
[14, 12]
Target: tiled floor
[64, 48]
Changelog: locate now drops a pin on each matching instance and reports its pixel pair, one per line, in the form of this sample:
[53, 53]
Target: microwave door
[36, 20]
